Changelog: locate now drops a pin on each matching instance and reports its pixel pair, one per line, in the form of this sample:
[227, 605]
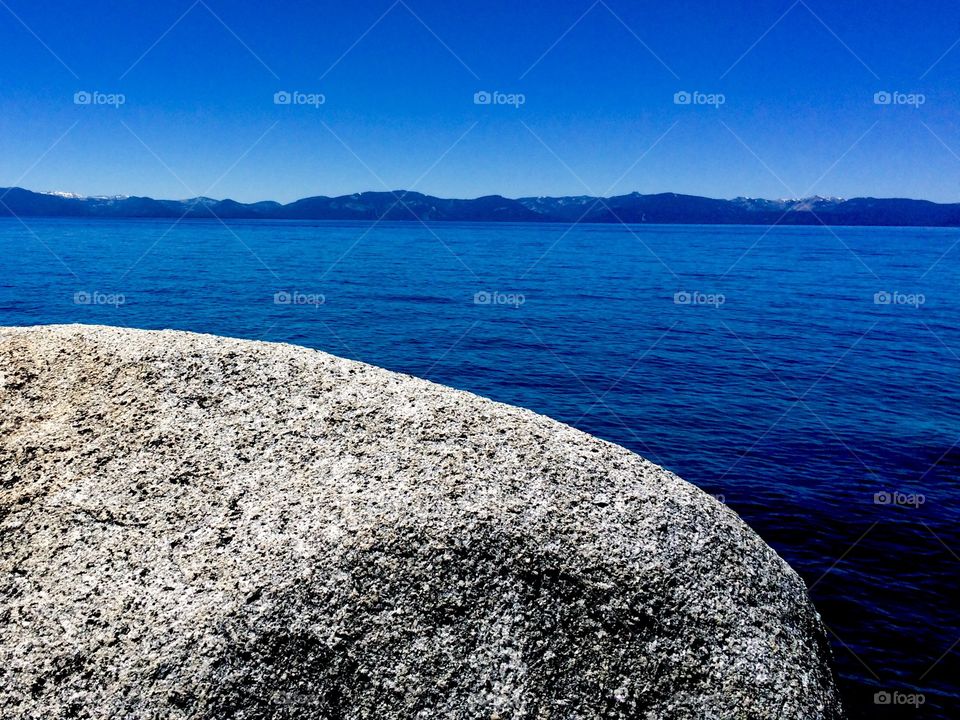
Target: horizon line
[69, 195]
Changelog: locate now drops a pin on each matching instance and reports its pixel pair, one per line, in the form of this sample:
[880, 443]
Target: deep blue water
[796, 399]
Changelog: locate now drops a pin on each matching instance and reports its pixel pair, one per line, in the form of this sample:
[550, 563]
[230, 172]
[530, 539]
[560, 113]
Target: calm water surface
[761, 365]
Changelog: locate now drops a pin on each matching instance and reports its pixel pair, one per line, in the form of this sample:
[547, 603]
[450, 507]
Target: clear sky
[398, 80]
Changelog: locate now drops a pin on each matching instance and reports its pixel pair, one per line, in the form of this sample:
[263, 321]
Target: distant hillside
[669, 208]
[673, 208]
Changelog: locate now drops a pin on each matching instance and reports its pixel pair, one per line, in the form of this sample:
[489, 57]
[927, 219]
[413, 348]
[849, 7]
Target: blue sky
[398, 80]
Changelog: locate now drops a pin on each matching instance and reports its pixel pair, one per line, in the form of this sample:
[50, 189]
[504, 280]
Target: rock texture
[202, 527]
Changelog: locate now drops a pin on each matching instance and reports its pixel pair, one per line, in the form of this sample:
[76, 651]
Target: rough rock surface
[202, 527]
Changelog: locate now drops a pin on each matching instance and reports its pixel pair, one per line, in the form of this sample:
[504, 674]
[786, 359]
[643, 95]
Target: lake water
[808, 376]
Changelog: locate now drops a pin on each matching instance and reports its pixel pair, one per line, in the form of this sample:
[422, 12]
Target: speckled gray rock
[201, 527]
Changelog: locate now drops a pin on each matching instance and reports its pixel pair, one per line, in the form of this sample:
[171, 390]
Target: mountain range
[668, 208]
